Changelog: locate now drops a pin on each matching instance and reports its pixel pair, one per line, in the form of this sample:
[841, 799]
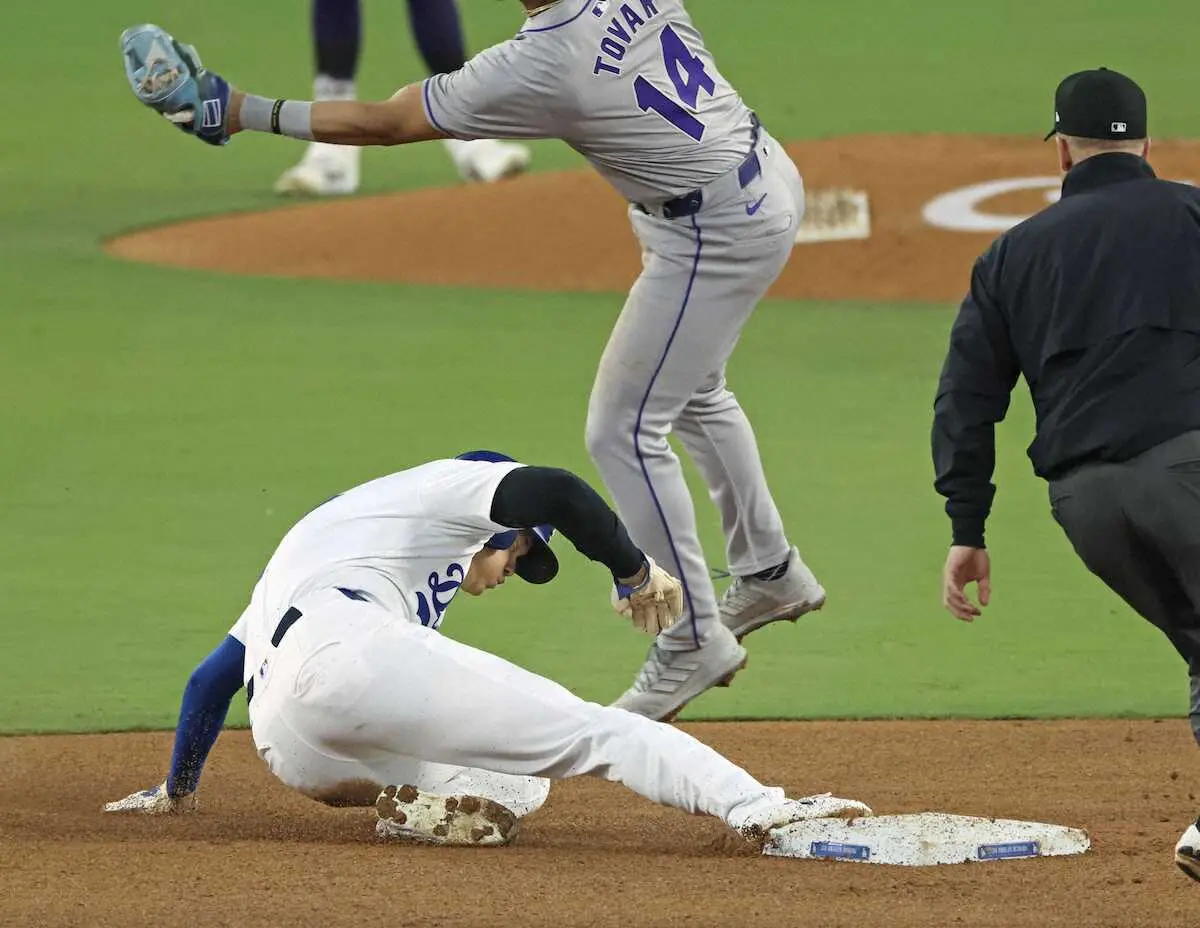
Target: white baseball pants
[355, 698]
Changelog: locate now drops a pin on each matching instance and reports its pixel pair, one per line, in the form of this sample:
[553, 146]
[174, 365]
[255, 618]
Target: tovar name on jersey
[624, 26]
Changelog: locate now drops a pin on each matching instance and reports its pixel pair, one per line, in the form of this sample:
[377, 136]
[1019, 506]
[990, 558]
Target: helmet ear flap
[503, 540]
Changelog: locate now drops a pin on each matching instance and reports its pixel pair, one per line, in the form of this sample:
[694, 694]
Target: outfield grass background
[161, 429]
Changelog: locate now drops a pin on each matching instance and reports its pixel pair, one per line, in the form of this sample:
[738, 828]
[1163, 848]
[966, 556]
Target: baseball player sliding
[356, 698]
[715, 202]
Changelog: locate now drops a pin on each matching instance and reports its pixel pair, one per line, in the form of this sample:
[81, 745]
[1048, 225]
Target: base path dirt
[569, 230]
[257, 854]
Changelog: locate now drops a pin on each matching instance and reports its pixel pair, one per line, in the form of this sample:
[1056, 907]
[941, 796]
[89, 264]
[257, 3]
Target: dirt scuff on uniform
[258, 854]
[569, 230]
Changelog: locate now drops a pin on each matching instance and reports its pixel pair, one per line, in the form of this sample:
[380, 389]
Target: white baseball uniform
[351, 682]
[715, 202]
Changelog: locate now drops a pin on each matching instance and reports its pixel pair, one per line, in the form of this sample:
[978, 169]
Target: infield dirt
[569, 230]
[257, 854]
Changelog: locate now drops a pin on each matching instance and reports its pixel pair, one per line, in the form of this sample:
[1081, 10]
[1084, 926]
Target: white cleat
[1187, 851]
[758, 825]
[487, 161]
[325, 170]
[749, 603]
[669, 680]
[407, 813]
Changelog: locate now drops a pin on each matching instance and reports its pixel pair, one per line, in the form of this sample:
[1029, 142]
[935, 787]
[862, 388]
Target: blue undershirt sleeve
[206, 700]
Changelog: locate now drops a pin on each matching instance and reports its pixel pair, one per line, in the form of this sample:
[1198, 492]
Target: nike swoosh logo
[752, 208]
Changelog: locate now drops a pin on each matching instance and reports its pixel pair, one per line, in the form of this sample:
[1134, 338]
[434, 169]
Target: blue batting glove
[168, 77]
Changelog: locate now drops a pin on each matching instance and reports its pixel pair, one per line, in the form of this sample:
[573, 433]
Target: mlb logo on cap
[1099, 104]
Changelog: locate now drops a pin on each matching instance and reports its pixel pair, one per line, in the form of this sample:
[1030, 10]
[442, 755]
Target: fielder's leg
[702, 278]
[771, 581]
[327, 170]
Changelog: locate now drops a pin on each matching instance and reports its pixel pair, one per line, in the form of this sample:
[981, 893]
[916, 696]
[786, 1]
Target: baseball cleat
[757, 826]
[750, 603]
[487, 161]
[669, 680]
[325, 170]
[1187, 851]
[407, 813]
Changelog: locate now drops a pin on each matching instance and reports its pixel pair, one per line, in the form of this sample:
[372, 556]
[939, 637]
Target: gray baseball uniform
[715, 203]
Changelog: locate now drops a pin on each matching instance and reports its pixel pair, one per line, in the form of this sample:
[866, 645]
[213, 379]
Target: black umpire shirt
[1096, 302]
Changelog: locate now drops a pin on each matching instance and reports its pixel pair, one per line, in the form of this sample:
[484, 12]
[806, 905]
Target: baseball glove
[168, 77]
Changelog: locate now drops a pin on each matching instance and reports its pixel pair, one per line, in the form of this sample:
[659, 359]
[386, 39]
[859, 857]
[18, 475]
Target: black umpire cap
[1099, 104]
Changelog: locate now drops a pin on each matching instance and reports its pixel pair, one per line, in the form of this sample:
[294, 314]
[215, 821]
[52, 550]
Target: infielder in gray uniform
[715, 202]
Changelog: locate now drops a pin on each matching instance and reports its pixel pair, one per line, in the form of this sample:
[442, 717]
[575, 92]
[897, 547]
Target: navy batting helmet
[539, 564]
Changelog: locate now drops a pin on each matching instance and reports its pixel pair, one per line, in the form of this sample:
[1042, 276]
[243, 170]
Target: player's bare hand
[653, 602]
[153, 801]
[963, 566]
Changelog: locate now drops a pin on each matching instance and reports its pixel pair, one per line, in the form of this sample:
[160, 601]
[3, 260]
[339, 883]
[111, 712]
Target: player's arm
[483, 99]
[529, 496]
[645, 593]
[206, 700]
[396, 121]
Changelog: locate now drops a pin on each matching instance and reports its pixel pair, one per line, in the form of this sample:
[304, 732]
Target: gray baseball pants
[663, 370]
[1136, 525]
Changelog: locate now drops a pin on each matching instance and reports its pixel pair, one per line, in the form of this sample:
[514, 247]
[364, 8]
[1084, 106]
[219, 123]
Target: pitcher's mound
[569, 230]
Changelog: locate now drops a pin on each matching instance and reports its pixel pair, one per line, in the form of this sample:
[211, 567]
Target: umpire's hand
[965, 565]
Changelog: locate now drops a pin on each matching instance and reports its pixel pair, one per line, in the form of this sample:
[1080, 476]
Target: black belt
[690, 203]
[289, 619]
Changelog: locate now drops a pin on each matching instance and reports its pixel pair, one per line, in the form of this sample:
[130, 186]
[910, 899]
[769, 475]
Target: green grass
[162, 429]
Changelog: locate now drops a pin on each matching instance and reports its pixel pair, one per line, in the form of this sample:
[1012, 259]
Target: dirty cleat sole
[1188, 860]
[409, 814]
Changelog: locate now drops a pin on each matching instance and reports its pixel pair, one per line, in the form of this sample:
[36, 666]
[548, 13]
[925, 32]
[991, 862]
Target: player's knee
[602, 433]
[616, 434]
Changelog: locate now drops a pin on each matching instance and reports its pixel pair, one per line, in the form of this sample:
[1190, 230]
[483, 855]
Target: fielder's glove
[168, 77]
[652, 605]
[154, 801]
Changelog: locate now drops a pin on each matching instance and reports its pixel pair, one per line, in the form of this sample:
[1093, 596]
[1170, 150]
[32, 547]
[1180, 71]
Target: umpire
[1096, 302]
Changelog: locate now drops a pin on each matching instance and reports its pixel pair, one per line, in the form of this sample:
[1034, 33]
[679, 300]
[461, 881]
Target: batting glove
[168, 77]
[654, 604]
[154, 801]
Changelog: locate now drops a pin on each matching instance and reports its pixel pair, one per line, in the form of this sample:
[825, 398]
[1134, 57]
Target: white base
[834, 215]
[923, 839]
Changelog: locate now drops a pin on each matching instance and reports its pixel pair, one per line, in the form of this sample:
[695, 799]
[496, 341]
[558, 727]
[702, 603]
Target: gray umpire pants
[1136, 525]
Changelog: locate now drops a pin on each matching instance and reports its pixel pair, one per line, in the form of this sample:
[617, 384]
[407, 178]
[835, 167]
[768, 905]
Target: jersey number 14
[687, 73]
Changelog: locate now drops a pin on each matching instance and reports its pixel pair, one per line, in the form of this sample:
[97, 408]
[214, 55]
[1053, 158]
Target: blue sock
[438, 32]
[337, 36]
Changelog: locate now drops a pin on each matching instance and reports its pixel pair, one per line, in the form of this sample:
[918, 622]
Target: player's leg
[648, 371]
[406, 690]
[342, 780]
[702, 278]
[771, 581]
[326, 169]
[340, 769]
